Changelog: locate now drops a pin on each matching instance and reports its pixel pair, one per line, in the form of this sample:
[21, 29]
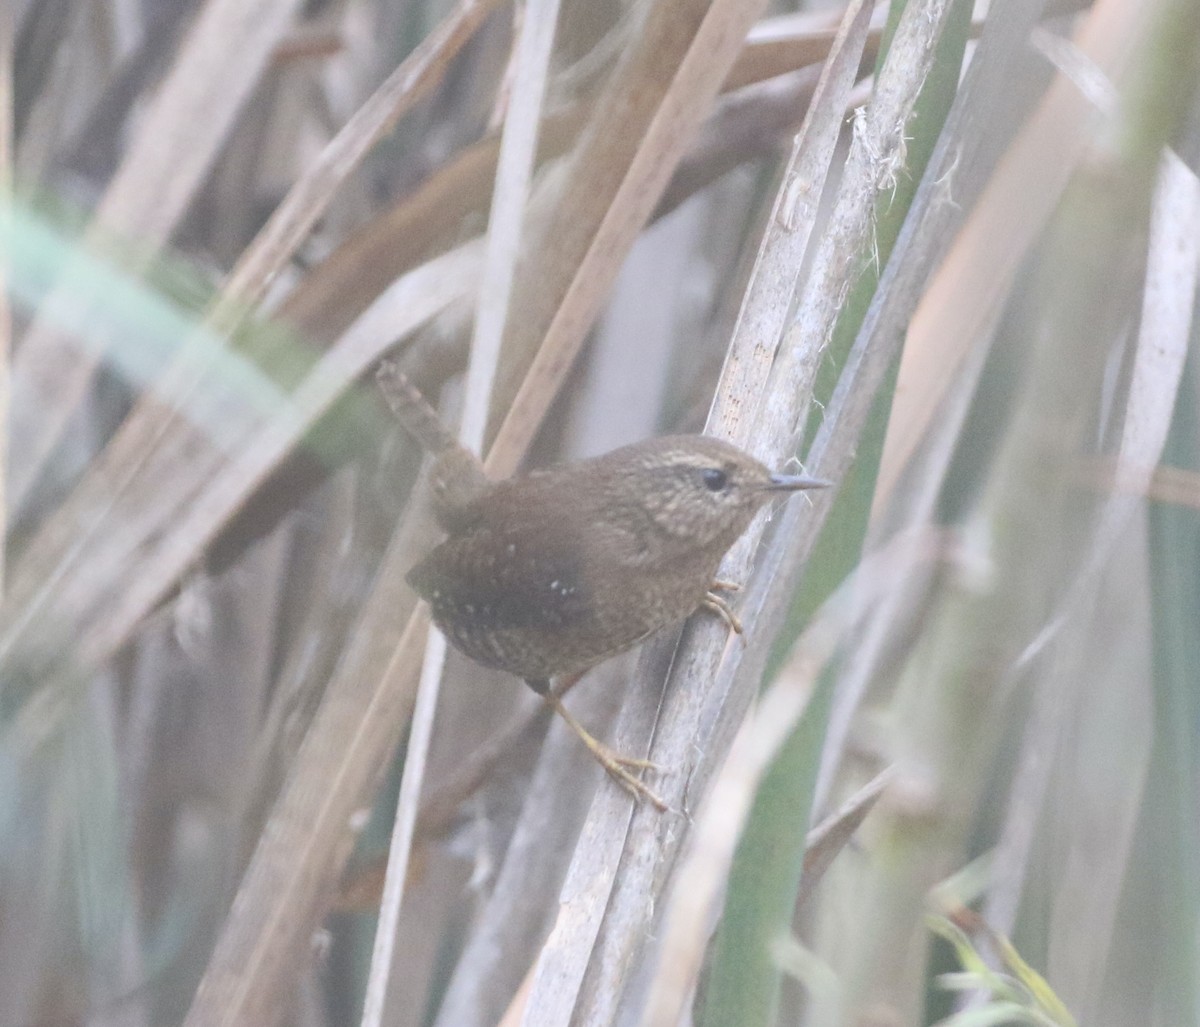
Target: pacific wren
[548, 573]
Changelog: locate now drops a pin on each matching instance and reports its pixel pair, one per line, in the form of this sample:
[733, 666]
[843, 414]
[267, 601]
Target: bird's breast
[533, 611]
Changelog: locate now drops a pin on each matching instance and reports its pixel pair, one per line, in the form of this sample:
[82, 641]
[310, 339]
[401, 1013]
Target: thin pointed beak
[795, 482]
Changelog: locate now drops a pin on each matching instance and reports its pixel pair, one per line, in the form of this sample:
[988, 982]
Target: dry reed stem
[653, 105]
[692, 908]
[514, 171]
[224, 53]
[768, 297]
[704, 670]
[400, 848]
[965, 296]
[148, 448]
[876, 157]
[1165, 331]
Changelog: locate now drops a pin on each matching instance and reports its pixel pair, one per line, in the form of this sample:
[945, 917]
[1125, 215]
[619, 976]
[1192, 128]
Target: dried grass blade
[785, 42]
[223, 55]
[780, 44]
[699, 882]
[518, 149]
[136, 468]
[704, 671]
[964, 297]
[414, 299]
[655, 101]
[1172, 271]
[7, 30]
[400, 847]
[514, 172]
[834, 833]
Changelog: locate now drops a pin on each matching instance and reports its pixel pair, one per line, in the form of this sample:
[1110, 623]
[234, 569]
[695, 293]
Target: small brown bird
[548, 573]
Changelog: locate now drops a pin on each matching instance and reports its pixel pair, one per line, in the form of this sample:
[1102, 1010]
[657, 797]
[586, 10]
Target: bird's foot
[720, 605]
[620, 769]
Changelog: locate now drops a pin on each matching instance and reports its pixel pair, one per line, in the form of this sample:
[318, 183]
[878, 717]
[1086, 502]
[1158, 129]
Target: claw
[720, 606]
[613, 762]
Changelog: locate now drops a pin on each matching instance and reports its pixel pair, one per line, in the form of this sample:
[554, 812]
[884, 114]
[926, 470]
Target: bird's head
[702, 489]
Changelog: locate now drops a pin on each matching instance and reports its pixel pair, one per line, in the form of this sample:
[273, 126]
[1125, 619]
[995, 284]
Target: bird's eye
[714, 479]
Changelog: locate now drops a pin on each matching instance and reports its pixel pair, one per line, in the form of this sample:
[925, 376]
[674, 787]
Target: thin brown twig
[656, 99]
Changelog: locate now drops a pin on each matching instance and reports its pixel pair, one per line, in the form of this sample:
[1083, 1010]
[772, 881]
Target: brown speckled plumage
[549, 573]
[552, 572]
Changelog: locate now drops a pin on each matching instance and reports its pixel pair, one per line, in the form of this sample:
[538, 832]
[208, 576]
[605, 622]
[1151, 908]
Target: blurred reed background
[950, 772]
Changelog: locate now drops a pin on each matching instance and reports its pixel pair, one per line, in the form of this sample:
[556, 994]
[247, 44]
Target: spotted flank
[476, 598]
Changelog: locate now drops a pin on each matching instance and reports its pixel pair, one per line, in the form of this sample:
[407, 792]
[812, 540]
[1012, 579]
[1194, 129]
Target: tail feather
[413, 411]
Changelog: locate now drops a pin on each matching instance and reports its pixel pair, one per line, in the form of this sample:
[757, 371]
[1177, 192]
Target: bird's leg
[720, 605]
[619, 767]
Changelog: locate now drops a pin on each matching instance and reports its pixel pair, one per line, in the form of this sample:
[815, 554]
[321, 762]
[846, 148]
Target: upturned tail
[456, 478]
[413, 411]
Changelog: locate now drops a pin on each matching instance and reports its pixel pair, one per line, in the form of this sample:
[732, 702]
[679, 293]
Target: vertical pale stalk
[518, 150]
[765, 878]
[129, 475]
[618, 892]
[949, 708]
[7, 28]
[655, 99]
[222, 59]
